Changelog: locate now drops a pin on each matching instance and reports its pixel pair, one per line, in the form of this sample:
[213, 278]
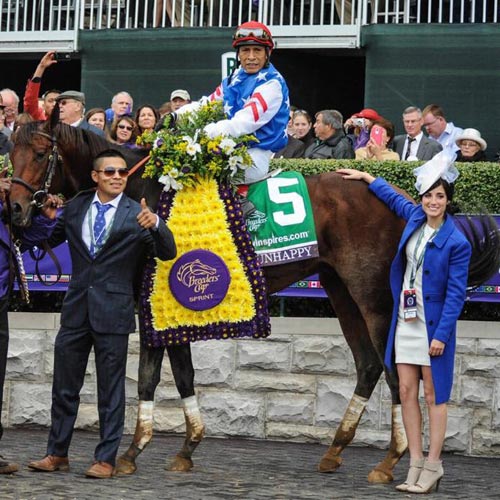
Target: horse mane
[81, 140]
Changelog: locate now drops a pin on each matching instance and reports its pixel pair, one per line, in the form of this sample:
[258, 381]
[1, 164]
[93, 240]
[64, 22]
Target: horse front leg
[183, 371]
[332, 460]
[150, 361]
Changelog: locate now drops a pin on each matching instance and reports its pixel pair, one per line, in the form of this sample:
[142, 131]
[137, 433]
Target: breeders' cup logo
[256, 220]
[199, 280]
[197, 275]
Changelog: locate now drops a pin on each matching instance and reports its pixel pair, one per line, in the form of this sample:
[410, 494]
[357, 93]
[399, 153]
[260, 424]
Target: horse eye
[40, 155]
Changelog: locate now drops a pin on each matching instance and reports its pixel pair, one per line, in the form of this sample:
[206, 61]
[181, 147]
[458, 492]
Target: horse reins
[40, 195]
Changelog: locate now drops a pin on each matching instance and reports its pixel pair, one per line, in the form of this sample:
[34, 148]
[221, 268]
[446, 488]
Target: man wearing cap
[71, 106]
[414, 145]
[439, 129]
[179, 98]
[362, 121]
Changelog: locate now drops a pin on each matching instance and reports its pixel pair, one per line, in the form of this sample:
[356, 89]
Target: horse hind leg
[183, 372]
[195, 431]
[382, 473]
[367, 362]
[150, 361]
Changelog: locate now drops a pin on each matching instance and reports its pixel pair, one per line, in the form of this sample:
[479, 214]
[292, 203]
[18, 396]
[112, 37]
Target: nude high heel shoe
[416, 466]
[429, 477]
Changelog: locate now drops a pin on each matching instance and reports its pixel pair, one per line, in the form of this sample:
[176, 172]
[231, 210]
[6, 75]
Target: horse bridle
[39, 196]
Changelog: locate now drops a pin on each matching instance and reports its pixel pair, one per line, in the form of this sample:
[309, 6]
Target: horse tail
[483, 235]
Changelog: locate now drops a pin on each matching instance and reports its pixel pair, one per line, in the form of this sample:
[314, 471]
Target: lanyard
[419, 259]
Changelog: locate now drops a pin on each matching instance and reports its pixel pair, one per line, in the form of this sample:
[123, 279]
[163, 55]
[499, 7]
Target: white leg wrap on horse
[353, 413]
[190, 405]
[398, 430]
[145, 422]
[194, 422]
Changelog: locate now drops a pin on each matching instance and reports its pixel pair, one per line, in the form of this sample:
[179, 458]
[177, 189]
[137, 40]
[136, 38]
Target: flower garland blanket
[215, 288]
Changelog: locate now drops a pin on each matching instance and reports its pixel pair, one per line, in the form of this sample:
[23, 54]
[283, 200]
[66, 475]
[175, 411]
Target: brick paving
[229, 469]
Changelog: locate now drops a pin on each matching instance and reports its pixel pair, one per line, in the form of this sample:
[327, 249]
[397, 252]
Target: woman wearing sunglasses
[124, 132]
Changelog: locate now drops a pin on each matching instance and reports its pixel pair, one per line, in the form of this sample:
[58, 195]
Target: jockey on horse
[256, 101]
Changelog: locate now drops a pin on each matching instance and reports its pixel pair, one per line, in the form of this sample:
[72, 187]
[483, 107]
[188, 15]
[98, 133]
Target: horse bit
[40, 195]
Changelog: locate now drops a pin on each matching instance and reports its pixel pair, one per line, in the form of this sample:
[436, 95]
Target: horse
[357, 240]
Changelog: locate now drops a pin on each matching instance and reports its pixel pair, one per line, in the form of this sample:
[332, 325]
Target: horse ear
[54, 117]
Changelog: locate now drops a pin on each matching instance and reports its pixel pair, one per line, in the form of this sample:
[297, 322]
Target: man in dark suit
[414, 145]
[108, 234]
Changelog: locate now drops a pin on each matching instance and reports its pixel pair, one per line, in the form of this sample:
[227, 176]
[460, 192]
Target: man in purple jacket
[40, 229]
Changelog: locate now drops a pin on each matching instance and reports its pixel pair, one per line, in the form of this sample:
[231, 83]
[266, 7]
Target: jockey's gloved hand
[215, 129]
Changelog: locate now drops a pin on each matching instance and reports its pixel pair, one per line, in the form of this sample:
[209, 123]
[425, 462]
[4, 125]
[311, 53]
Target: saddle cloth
[282, 226]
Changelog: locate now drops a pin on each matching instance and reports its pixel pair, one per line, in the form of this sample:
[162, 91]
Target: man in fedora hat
[71, 105]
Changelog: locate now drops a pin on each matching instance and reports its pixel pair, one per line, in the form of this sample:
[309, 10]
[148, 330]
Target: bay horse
[357, 239]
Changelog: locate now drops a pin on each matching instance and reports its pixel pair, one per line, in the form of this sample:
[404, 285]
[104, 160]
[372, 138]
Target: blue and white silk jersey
[254, 104]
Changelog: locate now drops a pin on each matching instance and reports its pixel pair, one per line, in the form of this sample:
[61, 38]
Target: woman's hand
[375, 150]
[355, 175]
[436, 348]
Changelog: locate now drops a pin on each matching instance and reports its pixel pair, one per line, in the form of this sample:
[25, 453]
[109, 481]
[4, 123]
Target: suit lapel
[421, 147]
[79, 220]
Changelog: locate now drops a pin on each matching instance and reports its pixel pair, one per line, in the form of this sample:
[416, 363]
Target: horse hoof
[125, 466]
[378, 476]
[329, 463]
[180, 464]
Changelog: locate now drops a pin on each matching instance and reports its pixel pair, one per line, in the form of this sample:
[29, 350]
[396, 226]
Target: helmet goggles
[252, 36]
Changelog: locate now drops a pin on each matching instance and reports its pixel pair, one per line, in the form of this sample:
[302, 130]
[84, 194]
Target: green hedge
[478, 184]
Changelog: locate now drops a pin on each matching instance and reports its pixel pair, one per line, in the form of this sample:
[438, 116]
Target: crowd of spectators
[365, 135]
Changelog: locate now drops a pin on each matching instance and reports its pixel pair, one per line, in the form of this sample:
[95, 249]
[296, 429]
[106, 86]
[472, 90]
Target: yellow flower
[205, 212]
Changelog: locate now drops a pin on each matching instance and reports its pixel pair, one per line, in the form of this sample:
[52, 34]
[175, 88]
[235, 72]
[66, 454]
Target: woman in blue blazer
[431, 268]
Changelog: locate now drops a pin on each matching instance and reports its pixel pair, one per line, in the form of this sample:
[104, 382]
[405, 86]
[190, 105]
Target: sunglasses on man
[111, 171]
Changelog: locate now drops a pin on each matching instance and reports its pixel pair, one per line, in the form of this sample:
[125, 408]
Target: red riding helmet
[253, 33]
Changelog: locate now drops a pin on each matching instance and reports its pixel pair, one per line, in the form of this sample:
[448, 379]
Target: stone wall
[293, 386]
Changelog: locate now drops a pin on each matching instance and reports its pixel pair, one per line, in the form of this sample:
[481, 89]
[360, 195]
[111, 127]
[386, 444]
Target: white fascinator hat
[440, 166]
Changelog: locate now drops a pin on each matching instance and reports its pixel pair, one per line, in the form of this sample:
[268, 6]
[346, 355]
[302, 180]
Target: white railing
[26, 25]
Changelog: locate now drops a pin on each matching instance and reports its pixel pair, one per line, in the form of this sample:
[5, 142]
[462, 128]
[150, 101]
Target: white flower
[227, 145]
[234, 163]
[170, 183]
[174, 173]
[193, 148]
